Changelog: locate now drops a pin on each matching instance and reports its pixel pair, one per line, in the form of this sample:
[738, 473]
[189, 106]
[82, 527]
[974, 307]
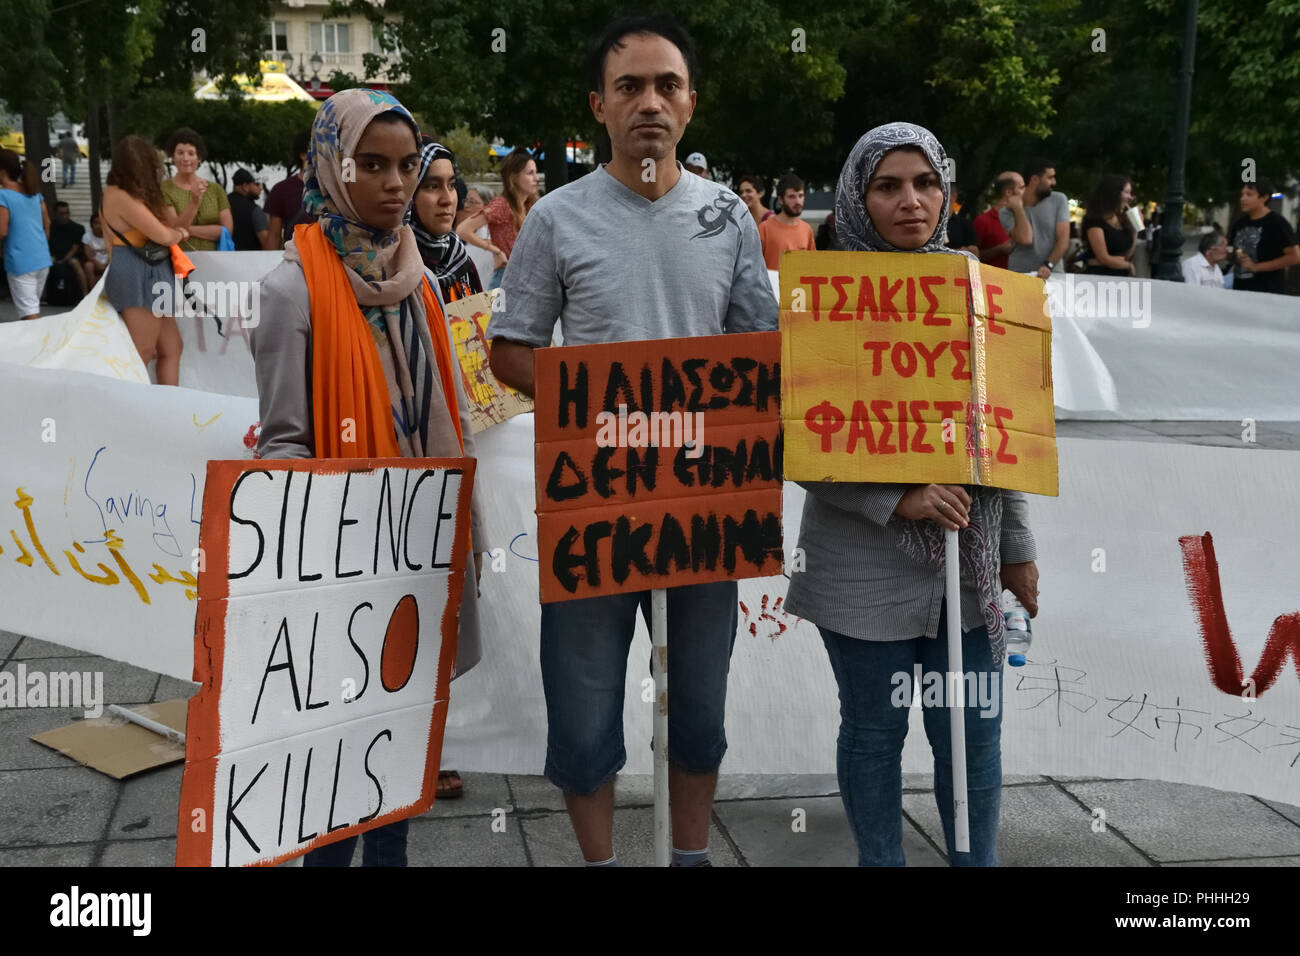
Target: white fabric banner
[1121, 348]
[98, 546]
[1177, 352]
[1117, 683]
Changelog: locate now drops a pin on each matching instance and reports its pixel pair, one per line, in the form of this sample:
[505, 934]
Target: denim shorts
[584, 651]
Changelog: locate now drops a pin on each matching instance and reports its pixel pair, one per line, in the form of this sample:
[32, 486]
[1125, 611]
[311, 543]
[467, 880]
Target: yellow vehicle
[15, 141]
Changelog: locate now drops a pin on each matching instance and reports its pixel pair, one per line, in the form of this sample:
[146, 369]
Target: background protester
[94, 251]
[697, 164]
[874, 576]
[284, 203]
[66, 256]
[1203, 268]
[197, 205]
[251, 230]
[476, 197]
[961, 231]
[751, 189]
[993, 240]
[134, 211]
[826, 239]
[1047, 215]
[581, 258]
[786, 230]
[69, 153]
[433, 214]
[352, 285]
[24, 230]
[1109, 240]
[1264, 240]
[504, 216]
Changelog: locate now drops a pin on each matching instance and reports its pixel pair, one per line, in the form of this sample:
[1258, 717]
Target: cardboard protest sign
[907, 368]
[324, 640]
[658, 463]
[490, 401]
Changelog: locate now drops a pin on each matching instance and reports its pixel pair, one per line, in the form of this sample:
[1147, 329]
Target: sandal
[454, 788]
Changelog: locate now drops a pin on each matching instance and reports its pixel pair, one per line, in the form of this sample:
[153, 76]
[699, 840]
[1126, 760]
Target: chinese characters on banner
[324, 640]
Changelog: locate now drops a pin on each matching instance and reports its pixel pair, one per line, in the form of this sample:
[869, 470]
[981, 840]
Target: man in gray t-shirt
[638, 249]
[1048, 213]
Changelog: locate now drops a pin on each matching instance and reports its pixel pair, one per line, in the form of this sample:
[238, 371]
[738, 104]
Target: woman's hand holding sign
[946, 505]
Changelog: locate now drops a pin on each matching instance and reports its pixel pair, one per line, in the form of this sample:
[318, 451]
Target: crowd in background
[53, 260]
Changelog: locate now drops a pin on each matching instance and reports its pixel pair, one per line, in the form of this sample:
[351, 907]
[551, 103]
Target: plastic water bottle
[1019, 633]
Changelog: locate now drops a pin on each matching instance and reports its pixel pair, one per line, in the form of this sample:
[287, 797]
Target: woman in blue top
[25, 231]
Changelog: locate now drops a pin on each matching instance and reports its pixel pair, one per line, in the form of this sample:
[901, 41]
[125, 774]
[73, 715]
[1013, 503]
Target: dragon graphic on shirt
[716, 216]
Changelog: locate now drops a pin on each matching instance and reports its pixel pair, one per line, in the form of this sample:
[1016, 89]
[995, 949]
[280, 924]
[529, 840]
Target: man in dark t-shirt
[961, 232]
[65, 242]
[1264, 240]
[284, 204]
[250, 232]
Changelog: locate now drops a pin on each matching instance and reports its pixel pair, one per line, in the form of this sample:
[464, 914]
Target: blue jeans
[584, 671]
[69, 173]
[497, 275]
[873, 728]
[382, 846]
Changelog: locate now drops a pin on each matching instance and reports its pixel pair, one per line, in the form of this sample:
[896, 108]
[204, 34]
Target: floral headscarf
[384, 266]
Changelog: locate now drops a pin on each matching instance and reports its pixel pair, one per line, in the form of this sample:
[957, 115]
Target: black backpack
[62, 287]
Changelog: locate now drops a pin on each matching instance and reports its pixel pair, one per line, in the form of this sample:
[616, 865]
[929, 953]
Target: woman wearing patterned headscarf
[874, 578]
[433, 215]
[353, 331]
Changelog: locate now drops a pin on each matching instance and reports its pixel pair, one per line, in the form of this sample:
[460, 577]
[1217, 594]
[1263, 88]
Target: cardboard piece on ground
[623, 502]
[906, 368]
[490, 401]
[113, 745]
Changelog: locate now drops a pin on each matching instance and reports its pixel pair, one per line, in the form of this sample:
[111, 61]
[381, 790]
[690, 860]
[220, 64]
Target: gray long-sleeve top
[281, 345]
[857, 582]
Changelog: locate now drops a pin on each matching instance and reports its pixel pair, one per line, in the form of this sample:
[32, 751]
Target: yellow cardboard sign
[915, 368]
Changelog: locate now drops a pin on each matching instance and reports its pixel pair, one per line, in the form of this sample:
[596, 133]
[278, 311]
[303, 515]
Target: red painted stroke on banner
[1202, 573]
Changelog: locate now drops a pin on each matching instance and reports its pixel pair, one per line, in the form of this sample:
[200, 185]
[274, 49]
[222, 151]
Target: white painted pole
[659, 671]
[956, 695]
[158, 728]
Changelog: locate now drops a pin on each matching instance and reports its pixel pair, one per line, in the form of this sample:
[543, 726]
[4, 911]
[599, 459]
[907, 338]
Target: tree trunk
[557, 165]
[92, 146]
[36, 134]
[112, 110]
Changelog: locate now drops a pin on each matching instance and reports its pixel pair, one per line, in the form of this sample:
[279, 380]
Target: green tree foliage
[236, 132]
[222, 38]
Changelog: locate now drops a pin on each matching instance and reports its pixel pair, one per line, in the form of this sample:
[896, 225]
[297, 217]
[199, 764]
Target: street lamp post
[317, 61]
[1171, 233]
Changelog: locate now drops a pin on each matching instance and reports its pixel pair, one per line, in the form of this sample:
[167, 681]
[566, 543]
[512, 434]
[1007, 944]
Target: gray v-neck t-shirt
[613, 266]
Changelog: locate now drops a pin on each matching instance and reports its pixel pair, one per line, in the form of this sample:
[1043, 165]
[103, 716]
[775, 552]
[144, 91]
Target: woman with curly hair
[133, 212]
[197, 205]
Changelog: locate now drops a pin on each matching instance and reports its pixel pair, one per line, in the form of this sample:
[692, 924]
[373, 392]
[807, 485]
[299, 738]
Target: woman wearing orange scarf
[353, 332]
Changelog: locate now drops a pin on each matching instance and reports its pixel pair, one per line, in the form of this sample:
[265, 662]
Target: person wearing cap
[252, 228]
[697, 164]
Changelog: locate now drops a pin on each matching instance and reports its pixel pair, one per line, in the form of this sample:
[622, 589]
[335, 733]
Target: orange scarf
[350, 398]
